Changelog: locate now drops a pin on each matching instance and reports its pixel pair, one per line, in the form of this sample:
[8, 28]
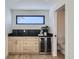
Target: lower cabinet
[23, 45]
[19, 45]
[11, 45]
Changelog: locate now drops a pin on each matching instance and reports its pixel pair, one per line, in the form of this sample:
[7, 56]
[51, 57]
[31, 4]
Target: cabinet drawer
[31, 51]
[31, 38]
[31, 42]
[30, 47]
[26, 50]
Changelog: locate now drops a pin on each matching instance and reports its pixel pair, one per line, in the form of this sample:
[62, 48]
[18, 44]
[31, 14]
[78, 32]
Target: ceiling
[30, 4]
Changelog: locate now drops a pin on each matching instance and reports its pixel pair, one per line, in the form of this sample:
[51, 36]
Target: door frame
[66, 31]
[62, 7]
[55, 31]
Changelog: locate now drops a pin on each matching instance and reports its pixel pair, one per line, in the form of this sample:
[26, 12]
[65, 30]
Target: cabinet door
[19, 45]
[11, 45]
[31, 45]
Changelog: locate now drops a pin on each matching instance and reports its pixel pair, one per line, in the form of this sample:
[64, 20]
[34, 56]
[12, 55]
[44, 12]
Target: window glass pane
[30, 20]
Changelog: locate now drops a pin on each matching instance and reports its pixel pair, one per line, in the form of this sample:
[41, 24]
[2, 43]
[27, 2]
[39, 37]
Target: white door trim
[66, 32]
[55, 35]
[55, 32]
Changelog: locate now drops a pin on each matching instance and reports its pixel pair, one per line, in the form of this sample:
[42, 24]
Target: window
[30, 19]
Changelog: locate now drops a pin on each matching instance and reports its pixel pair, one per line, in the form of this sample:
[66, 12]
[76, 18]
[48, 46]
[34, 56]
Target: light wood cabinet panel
[12, 45]
[19, 44]
[31, 45]
[31, 38]
[28, 45]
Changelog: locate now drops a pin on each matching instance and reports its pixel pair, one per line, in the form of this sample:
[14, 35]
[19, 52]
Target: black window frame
[31, 16]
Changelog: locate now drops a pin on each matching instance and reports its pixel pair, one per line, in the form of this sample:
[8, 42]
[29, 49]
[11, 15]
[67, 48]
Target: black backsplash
[32, 32]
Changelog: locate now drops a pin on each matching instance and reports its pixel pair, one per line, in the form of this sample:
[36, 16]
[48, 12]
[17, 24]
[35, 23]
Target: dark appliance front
[45, 45]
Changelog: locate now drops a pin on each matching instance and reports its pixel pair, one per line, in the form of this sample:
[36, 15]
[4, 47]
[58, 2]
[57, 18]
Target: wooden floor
[60, 56]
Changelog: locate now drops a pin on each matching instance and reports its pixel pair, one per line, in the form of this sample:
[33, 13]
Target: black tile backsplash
[34, 32]
[31, 32]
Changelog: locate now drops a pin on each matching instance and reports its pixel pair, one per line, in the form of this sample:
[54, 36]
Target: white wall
[7, 29]
[69, 25]
[7, 26]
[52, 13]
[29, 12]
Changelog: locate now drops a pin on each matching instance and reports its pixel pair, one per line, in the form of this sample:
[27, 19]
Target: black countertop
[29, 33]
[11, 35]
[19, 32]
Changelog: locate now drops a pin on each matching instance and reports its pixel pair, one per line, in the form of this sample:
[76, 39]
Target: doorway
[59, 30]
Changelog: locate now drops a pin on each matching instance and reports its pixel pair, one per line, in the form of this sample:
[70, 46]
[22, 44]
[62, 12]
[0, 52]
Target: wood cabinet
[19, 45]
[31, 45]
[23, 45]
[11, 45]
